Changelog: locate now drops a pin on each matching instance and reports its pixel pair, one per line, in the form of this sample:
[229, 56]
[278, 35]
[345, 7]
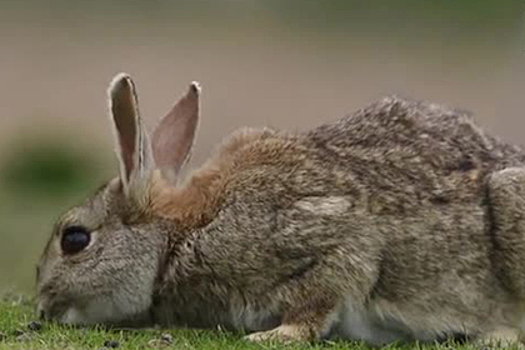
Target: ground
[19, 329]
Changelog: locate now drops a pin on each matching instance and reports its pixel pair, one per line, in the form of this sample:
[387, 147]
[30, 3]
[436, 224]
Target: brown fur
[195, 203]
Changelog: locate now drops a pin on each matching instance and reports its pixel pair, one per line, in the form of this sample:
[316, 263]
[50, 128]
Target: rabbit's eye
[74, 239]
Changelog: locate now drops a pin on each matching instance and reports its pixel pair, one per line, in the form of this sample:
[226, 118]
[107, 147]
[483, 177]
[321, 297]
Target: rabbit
[401, 222]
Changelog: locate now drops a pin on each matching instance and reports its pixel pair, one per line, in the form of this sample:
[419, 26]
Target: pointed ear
[173, 139]
[133, 148]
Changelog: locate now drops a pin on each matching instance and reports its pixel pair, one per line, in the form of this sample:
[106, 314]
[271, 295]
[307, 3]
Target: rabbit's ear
[133, 147]
[174, 136]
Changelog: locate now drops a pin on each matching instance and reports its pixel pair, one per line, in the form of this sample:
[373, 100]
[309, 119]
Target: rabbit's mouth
[48, 311]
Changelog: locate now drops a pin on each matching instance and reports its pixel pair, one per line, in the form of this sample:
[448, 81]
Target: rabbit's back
[414, 151]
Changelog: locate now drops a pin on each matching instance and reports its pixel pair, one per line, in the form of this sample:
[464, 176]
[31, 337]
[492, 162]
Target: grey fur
[403, 221]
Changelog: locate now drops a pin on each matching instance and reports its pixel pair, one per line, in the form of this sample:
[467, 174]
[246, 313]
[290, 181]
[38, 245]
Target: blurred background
[282, 63]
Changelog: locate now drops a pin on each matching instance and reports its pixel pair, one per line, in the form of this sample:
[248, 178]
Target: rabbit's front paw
[283, 333]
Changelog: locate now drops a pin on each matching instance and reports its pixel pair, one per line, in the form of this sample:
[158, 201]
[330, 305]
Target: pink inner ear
[124, 111]
[127, 147]
[173, 138]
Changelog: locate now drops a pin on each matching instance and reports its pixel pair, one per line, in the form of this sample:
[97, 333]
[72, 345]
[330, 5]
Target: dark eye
[74, 239]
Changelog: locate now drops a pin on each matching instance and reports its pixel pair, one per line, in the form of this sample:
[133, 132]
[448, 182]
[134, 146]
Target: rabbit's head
[101, 262]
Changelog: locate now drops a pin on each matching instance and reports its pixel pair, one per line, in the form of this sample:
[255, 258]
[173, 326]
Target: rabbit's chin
[74, 316]
[108, 312]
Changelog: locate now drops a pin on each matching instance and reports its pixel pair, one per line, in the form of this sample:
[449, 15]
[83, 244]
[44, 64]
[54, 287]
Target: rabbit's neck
[191, 205]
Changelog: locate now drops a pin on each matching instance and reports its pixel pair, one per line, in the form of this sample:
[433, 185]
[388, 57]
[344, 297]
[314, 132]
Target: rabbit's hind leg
[506, 209]
[506, 338]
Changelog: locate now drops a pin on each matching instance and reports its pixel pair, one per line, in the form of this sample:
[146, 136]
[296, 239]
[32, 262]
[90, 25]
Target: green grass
[17, 312]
